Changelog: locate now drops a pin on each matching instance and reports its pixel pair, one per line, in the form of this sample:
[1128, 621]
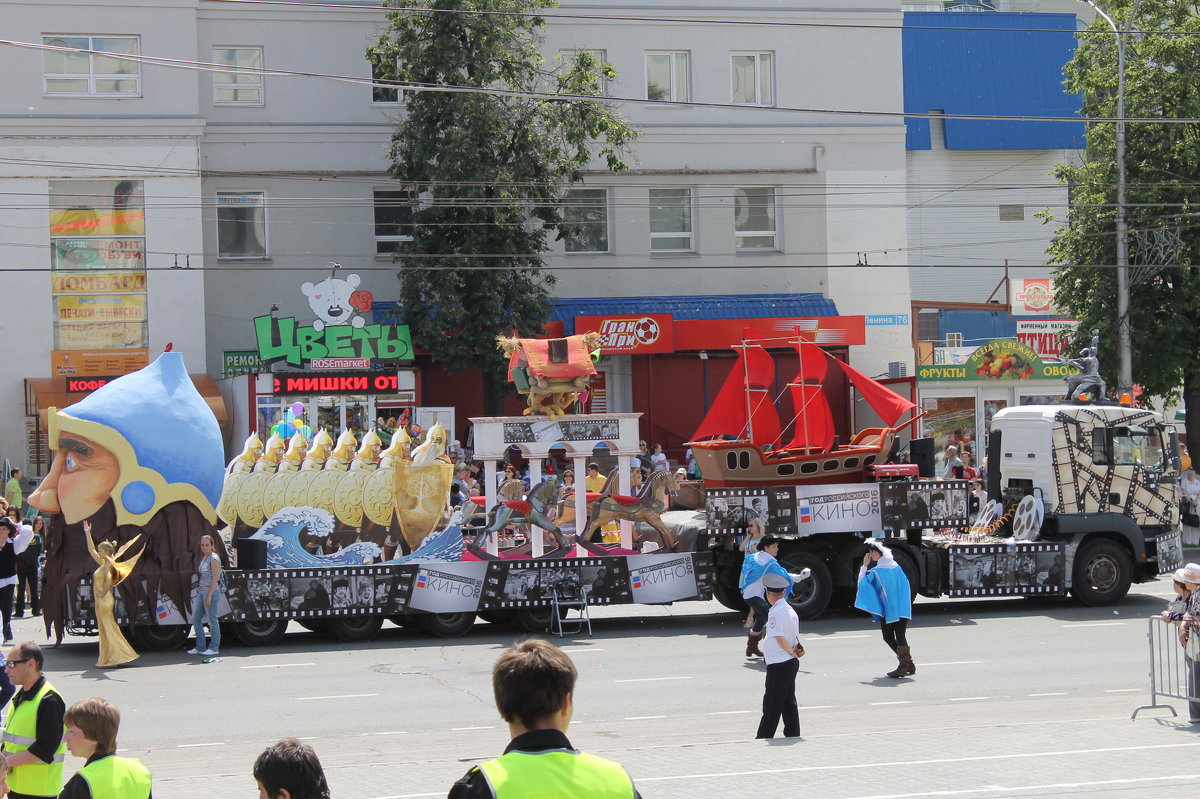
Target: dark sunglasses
[12, 663]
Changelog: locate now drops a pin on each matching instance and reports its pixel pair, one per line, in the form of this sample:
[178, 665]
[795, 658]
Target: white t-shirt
[784, 622]
[658, 462]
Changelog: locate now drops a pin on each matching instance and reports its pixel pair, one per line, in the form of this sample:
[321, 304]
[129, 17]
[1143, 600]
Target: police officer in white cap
[782, 651]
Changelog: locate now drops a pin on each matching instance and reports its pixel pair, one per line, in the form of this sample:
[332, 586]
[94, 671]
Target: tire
[1102, 573]
[909, 564]
[160, 638]
[314, 625]
[260, 633]
[448, 625]
[725, 589]
[810, 596]
[355, 628]
[533, 620]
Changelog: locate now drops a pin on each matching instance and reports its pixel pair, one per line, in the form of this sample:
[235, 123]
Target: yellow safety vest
[115, 777]
[36, 779]
[556, 774]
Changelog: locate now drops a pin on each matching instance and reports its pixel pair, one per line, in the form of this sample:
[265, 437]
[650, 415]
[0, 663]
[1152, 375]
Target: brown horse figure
[646, 507]
[533, 509]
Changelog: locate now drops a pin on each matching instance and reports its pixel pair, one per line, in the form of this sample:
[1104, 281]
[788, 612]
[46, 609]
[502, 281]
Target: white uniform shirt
[784, 622]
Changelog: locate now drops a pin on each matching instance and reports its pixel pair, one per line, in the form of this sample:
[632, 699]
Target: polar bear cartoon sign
[335, 302]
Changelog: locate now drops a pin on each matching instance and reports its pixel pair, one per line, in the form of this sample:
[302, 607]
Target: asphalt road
[1020, 698]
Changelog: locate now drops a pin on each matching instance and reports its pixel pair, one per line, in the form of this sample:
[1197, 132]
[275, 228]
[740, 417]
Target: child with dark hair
[290, 770]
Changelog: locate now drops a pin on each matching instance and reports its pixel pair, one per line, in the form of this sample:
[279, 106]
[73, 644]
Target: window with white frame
[382, 95]
[754, 218]
[393, 219]
[242, 225]
[752, 77]
[91, 74]
[241, 80]
[667, 76]
[600, 56]
[585, 211]
[671, 228]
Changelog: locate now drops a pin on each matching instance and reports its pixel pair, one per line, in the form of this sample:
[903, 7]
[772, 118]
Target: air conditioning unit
[954, 340]
[897, 369]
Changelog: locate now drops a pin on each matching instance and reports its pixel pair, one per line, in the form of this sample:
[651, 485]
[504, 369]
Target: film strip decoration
[728, 510]
[534, 583]
[1168, 549]
[989, 570]
[924, 504]
[318, 593]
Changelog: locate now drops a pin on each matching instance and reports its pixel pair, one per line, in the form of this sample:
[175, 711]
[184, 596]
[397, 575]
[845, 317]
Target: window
[381, 95]
[671, 220]
[102, 74]
[1012, 213]
[754, 218]
[393, 219]
[928, 326]
[600, 56]
[242, 225]
[753, 78]
[586, 212]
[667, 76]
[242, 82]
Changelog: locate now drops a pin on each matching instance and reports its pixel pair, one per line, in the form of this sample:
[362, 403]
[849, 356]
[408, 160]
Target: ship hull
[742, 464]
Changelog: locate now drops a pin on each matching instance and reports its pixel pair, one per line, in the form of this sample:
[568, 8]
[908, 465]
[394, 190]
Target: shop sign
[84, 335]
[100, 254]
[1032, 296]
[638, 334]
[340, 363]
[100, 308]
[97, 282]
[104, 207]
[98, 362]
[883, 320]
[715, 334]
[86, 384]
[243, 362]
[1002, 359]
[1047, 337]
[335, 383]
[339, 330]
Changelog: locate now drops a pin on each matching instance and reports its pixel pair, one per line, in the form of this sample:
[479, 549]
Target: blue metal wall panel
[717, 306]
[990, 63]
[977, 327]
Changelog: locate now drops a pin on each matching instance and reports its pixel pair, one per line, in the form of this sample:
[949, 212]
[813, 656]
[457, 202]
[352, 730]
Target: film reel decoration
[982, 524]
[1027, 518]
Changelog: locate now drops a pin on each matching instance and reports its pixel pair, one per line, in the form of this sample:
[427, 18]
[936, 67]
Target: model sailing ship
[739, 444]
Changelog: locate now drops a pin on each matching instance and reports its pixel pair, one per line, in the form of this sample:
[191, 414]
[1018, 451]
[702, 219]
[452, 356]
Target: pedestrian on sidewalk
[1185, 611]
[885, 593]
[782, 651]
[534, 687]
[290, 770]
[92, 734]
[27, 569]
[1189, 508]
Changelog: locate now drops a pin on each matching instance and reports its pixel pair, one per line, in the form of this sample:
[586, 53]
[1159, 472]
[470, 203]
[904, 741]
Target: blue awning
[710, 306]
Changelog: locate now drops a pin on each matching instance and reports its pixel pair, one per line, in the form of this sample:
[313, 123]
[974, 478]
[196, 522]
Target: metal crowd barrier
[1174, 670]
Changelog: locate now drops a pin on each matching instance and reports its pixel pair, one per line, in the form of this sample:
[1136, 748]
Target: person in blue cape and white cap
[142, 455]
[885, 593]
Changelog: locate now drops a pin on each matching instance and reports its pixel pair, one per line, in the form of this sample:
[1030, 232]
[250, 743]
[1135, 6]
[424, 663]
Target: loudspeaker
[921, 453]
[251, 553]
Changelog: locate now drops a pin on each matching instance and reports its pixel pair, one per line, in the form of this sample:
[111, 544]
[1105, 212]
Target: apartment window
[754, 218]
[1012, 213]
[671, 220]
[393, 220]
[242, 225]
[381, 95]
[753, 78]
[586, 213]
[667, 76]
[100, 74]
[928, 326]
[241, 83]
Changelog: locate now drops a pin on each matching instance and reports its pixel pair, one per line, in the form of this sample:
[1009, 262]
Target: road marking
[1122, 690]
[277, 666]
[581, 649]
[816, 707]
[969, 698]
[901, 702]
[844, 637]
[460, 729]
[339, 696]
[642, 718]
[393, 732]
[654, 679]
[192, 746]
[953, 663]
[1014, 788]
[730, 712]
[1052, 693]
[1095, 624]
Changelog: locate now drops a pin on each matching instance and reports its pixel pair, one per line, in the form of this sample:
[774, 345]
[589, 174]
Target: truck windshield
[1137, 446]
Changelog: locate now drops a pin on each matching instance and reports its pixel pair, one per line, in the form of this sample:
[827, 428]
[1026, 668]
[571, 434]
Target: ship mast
[746, 382]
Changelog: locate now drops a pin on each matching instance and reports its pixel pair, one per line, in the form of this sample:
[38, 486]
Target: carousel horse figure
[533, 509]
[646, 507]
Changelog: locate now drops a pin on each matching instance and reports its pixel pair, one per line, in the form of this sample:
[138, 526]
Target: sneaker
[194, 652]
[210, 652]
[18, 615]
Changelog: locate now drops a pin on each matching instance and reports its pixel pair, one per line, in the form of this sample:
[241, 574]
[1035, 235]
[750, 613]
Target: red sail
[887, 403]
[814, 419]
[744, 398]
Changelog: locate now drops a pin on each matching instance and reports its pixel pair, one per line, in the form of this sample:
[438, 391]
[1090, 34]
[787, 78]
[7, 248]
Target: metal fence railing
[1174, 667]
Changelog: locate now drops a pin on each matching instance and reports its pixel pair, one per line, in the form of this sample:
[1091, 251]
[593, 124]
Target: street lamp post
[1124, 346]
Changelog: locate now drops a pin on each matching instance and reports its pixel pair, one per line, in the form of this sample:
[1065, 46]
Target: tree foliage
[487, 162]
[1163, 173]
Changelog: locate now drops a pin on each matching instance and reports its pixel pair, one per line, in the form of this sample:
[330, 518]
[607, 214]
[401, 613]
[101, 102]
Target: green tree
[1163, 171]
[488, 150]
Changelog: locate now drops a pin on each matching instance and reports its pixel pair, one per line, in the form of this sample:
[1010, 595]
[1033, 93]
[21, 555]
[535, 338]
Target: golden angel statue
[114, 649]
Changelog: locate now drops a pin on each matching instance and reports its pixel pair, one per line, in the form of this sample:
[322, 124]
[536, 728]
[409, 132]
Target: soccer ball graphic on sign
[646, 331]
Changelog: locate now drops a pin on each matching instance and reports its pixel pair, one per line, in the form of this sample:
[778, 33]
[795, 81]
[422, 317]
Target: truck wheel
[448, 625]
[264, 632]
[1102, 573]
[726, 592]
[811, 596]
[160, 638]
[356, 628]
[533, 620]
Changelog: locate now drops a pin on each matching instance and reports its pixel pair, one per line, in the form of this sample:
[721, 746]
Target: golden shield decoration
[422, 494]
[275, 494]
[322, 487]
[250, 498]
[378, 497]
[348, 497]
[296, 495]
[227, 505]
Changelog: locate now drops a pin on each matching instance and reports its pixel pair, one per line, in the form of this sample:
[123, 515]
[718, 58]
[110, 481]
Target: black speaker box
[921, 453]
[251, 553]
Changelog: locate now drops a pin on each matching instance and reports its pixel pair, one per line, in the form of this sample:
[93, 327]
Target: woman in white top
[1189, 490]
[658, 461]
